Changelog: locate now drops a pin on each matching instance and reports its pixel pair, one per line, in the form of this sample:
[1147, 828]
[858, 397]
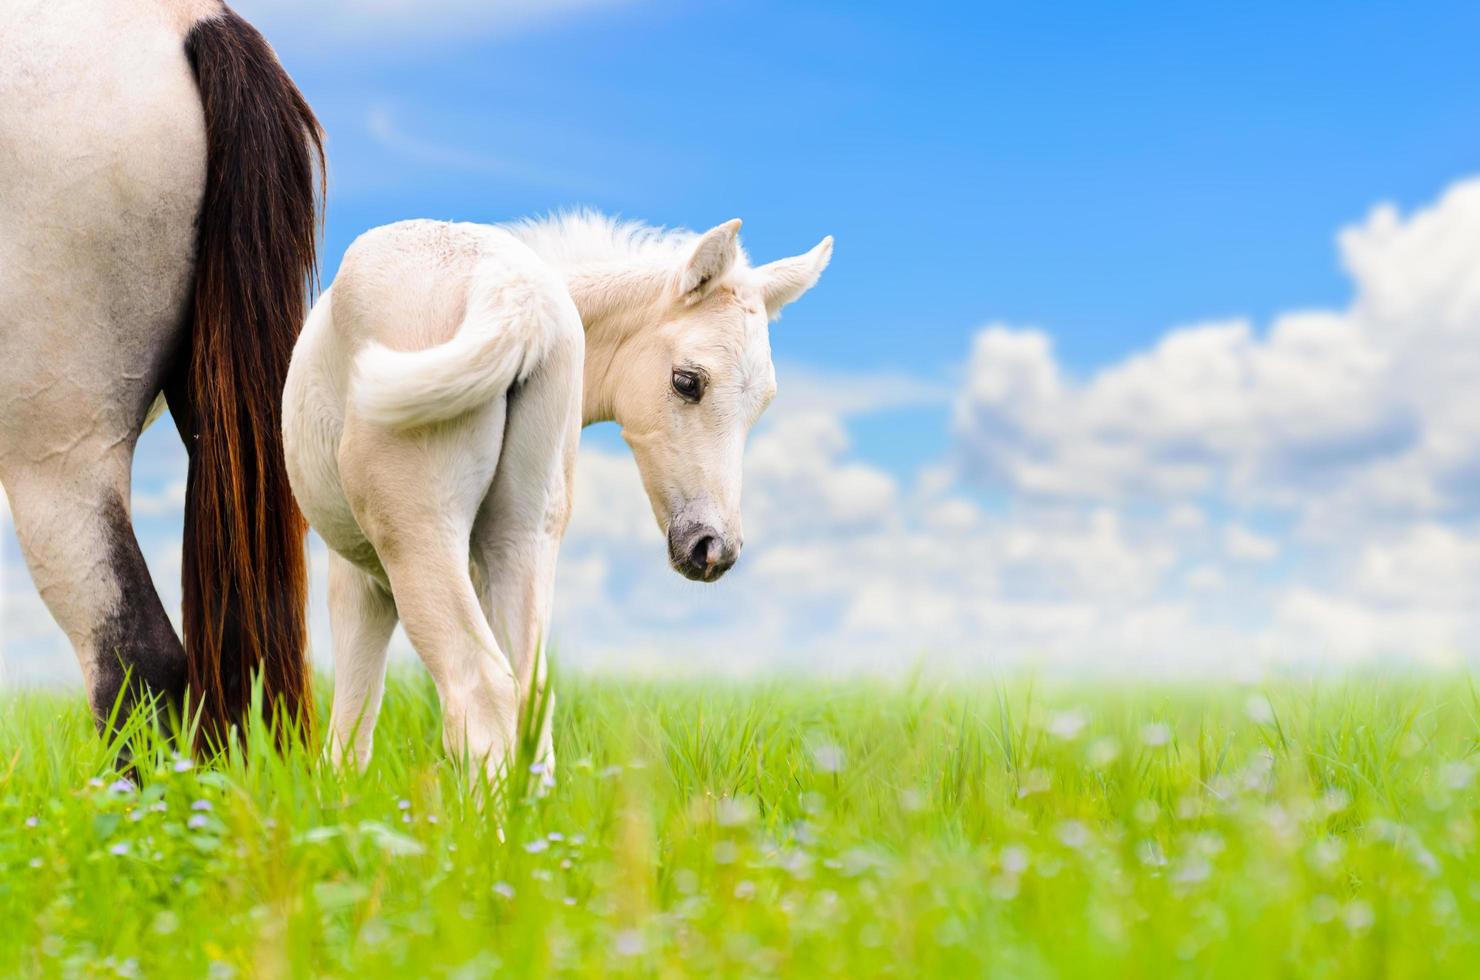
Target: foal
[431, 418]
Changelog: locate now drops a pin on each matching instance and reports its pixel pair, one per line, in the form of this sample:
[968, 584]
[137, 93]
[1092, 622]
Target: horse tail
[245, 575]
[497, 344]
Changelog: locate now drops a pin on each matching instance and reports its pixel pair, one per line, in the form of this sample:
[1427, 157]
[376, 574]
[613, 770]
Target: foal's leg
[415, 495]
[517, 536]
[362, 616]
[71, 514]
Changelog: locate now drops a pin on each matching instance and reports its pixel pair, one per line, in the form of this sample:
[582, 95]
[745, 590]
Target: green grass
[797, 829]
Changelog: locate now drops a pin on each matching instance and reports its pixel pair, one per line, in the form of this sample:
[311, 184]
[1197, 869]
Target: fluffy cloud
[1373, 410]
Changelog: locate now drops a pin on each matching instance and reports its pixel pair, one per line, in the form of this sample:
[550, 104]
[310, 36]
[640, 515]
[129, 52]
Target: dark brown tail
[245, 578]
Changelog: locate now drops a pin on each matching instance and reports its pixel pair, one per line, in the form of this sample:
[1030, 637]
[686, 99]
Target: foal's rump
[509, 313]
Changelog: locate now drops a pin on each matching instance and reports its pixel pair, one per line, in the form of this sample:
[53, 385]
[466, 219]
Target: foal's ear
[786, 280]
[711, 258]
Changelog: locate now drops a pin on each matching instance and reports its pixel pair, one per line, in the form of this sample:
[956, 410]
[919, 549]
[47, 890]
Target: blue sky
[1105, 171]
[1145, 342]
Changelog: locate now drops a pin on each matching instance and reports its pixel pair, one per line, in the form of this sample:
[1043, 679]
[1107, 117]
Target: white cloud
[1242, 544]
[1337, 416]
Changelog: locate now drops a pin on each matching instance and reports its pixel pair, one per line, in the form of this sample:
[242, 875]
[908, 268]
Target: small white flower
[119, 849]
[32, 822]
[503, 889]
[1073, 834]
[183, 765]
[1014, 859]
[629, 942]
[1259, 710]
[735, 811]
[1358, 915]
[201, 805]
[121, 786]
[1068, 725]
[537, 845]
[1155, 734]
[1103, 751]
[198, 821]
[828, 757]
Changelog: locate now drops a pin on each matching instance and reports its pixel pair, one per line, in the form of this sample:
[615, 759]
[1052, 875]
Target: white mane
[570, 239]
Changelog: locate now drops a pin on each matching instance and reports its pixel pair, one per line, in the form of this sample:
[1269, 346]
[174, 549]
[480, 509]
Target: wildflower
[1014, 859]
[1259, 710]
[1358, 915]
[198, 821]
[201, 805]
[1193, 870]
[1103, 751]
[555, 836]
[403, 804]
[537, 845]
[121, 786]
[119, 849]
[1156, 734]
[1035, 781]
[1149, 853]
[183, 764]
[503, 889]
[1073, 834]
[735, 811]
[827, 757]
[744, 890]
[1456, 775]
[538, 768]
[1067, 725]
[32, 822]
[629, 943]
[1335, 799]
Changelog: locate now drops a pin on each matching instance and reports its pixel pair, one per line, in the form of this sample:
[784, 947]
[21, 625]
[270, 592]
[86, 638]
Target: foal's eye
[688, 384]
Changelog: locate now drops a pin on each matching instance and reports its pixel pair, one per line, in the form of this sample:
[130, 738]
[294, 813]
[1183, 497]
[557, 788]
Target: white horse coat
[156, 232]
[431, 419]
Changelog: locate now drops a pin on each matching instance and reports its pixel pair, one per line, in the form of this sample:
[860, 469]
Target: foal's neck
[615, 302]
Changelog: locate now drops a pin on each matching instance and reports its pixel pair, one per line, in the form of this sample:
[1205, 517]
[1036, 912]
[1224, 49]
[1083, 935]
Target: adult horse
[158, 192]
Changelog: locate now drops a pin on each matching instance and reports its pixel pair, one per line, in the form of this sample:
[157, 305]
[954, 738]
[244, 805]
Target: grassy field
[792, 829]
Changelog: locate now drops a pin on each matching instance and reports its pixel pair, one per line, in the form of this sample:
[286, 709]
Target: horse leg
[415, 495]
[362, 616]
[71, 514]
[517, 536]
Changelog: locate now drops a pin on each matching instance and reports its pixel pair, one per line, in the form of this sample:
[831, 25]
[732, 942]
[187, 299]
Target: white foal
[431, 418]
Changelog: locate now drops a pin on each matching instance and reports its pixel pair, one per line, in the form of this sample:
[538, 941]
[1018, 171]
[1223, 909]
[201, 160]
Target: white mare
[431, 417]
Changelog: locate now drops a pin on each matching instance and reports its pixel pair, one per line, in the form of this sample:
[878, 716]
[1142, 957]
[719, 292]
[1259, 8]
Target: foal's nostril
[705, 551]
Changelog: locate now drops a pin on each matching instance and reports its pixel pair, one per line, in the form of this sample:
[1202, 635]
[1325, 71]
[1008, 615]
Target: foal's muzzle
[700, 553]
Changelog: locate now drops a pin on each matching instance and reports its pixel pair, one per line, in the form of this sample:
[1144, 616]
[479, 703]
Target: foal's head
[689, 380]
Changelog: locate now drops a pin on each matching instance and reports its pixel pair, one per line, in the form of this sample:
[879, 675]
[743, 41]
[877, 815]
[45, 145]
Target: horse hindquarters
[100, 182]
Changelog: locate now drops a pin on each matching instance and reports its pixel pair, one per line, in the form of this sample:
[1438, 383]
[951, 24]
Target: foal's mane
[567, 239]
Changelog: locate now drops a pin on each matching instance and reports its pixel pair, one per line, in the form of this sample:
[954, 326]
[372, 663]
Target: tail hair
[245, 574]
[492, 349]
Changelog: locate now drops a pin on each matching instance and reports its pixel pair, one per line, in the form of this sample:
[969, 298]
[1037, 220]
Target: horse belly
[102, 168]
